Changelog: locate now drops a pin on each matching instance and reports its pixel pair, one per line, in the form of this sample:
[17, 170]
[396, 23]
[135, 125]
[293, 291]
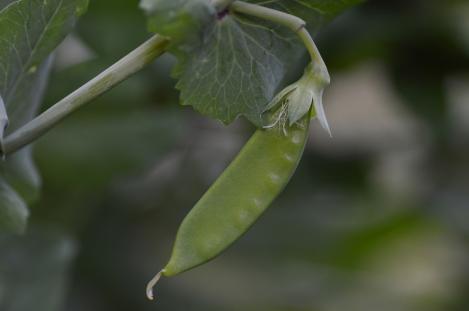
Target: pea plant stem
[295, 24]
[143, 55]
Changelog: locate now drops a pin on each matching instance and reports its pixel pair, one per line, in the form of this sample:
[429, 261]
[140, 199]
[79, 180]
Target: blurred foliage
[29, 31]
[376, 218]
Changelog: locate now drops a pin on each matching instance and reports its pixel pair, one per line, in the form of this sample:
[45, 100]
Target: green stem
[121, 70]
[295, 23]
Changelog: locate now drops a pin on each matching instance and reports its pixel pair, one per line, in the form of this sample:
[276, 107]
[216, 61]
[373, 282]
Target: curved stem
[121, 70]
[311, 46]
[295, 23]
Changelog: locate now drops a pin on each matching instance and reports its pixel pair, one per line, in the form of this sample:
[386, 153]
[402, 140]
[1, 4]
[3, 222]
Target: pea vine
[233, 57]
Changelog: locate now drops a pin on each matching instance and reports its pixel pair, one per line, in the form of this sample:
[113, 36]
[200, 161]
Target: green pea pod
[253, 180]
[238, 197]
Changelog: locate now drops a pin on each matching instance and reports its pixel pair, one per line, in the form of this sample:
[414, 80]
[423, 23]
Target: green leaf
[237, 70]
[29, 31]
[237, 63]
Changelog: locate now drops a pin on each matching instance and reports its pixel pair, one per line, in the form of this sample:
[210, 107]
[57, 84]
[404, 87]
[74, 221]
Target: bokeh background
[376, 218]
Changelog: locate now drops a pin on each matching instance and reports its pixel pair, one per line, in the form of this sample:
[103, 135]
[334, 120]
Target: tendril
[152, 284]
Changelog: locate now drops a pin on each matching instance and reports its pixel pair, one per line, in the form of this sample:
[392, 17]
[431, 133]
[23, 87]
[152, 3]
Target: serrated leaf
[29, 32]
[238, 63]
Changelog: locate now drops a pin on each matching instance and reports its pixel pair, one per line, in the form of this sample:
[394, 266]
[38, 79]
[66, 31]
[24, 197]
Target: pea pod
[238, 197]
[250, 183]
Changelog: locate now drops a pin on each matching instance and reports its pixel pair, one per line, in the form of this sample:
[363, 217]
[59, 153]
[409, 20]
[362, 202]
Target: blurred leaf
[112, 32]
[18, 169]
[18, 172]
[29, 31]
